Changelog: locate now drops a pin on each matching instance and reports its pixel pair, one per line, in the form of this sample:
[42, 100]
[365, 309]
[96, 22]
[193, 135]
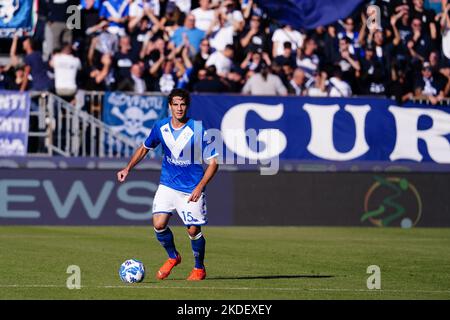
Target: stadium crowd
[232, 46]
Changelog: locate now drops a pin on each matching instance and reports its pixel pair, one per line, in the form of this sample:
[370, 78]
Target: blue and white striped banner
[14, 122]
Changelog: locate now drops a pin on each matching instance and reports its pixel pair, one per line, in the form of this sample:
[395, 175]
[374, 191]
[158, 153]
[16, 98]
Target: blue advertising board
[326, 129]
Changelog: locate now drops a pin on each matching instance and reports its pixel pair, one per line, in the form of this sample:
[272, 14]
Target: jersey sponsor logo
[181, 163]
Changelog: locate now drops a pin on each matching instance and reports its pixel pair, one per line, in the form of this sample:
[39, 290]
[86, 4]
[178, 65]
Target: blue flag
[17, 17]
[308, 14]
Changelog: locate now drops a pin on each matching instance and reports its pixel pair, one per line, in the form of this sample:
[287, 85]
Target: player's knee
[159, 226]
[193, 231]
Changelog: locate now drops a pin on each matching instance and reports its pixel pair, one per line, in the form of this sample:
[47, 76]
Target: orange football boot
[197, 274]
[167, 267]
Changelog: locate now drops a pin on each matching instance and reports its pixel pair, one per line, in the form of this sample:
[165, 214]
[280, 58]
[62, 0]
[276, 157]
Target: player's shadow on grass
[266, 277]
[280, 276]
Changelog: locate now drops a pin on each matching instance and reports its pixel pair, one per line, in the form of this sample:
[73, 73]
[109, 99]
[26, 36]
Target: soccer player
[182, 182]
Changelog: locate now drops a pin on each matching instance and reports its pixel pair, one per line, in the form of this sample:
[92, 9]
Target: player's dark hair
[180, 93]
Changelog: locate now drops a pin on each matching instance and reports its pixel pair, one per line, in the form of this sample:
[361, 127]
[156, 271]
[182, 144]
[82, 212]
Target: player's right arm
[151, 142]
[138, 155]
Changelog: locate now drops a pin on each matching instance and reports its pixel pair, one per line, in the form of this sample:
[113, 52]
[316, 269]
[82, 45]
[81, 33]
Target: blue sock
[165, 237]
[198, 248]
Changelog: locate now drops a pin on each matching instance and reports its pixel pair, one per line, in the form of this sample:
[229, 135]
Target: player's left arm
[210, 171]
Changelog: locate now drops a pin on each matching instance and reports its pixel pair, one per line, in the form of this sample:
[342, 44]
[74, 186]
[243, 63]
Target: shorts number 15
[187, 216]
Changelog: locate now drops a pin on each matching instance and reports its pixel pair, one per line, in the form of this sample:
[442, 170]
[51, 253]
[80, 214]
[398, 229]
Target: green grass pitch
[242, 263]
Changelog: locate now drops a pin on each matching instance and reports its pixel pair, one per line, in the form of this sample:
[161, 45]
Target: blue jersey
[114, 8]
[184, 149]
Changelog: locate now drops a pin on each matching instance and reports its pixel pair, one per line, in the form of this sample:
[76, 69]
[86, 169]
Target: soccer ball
[132, 271]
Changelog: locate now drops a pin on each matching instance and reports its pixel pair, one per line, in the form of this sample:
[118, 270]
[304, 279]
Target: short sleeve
[153, 139]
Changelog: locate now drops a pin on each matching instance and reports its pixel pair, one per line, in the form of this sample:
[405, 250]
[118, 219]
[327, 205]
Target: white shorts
[168, 200]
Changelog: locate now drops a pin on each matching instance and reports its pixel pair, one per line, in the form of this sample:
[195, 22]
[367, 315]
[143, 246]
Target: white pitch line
[223, 288]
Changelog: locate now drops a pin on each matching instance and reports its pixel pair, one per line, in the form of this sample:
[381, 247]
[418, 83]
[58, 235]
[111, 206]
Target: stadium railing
[60, 128]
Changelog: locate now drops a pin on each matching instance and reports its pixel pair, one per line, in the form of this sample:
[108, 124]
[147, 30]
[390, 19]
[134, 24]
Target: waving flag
[17, 17]
[308, 14]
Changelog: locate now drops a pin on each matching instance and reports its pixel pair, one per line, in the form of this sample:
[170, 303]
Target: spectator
[90, 16]
[12, 74]
[339, 87]
[116, 13]
[401, 22]
[183, 5]
[36, 67]
[389, 56]
[100, 74]
[222, 60]
[318, 86]
[189, 30]
[209, 81]
[172, 20]
[66, 67]
[235, 80]
[426, 17]
[372, 76]
[232, 15]
[438, 68]
[135, 82]
[286, 34]
[13, 77]
[142, 35]
[400, 87]
[183, 69]
[56, 31]
[264, 83]
[288, 57]
[382, 49]
[221, 34]
[105, 42]
[123, 59]
[419, 43]
[286, 73]
[152, 51]
[141, 8]
[320, 36]
[401, 31]
[427, 87]
[307, 59]
[204, 16]
[163, 72]
[297, 83]
[202, 56]
[350, 33]
[348, 62]
[445, 27]
[144, 10]
[254, 60]
[330, 51]
[255, 39]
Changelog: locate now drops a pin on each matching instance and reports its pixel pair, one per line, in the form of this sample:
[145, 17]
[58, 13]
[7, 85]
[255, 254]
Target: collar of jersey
[180, 128]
